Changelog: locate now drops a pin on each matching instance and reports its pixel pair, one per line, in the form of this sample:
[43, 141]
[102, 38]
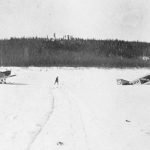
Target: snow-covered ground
[87, 111]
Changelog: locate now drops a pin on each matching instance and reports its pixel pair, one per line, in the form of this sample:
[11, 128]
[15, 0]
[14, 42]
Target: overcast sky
[101, 19]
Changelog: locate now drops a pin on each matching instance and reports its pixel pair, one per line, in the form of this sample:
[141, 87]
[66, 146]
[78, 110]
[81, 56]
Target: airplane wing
[4, 77]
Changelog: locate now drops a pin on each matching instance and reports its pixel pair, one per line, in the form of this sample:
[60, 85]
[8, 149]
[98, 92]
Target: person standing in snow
[56, 81]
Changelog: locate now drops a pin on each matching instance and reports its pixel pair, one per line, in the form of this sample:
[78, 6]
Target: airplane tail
[123, 82]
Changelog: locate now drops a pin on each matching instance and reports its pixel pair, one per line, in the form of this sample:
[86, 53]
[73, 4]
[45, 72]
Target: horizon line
[83, 38]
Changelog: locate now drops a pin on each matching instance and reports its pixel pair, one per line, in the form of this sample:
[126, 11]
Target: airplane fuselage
[4, 75]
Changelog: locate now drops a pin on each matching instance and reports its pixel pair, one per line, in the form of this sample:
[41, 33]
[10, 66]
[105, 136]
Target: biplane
[4, 75]
[142, 80]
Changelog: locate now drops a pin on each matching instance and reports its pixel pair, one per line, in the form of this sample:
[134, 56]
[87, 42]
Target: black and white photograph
[74, 75]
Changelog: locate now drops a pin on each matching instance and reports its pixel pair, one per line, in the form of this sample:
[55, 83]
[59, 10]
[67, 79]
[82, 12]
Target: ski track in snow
[72, 132]
[41, 127]
[72, 109]
[73, 101]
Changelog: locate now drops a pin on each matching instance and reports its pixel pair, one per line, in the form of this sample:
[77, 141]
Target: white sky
[101, 19]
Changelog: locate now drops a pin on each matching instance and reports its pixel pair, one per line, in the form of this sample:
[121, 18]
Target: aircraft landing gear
[3, 81]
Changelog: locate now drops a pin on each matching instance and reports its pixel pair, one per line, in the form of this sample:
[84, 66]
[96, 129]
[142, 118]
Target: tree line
[70, 52]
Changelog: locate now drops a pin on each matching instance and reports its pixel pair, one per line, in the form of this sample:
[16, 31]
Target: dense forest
[75, 52]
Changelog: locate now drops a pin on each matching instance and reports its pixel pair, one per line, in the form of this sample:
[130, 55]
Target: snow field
[87, 111]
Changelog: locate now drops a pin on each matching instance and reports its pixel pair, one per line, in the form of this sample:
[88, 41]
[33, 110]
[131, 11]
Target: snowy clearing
[87, 111]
